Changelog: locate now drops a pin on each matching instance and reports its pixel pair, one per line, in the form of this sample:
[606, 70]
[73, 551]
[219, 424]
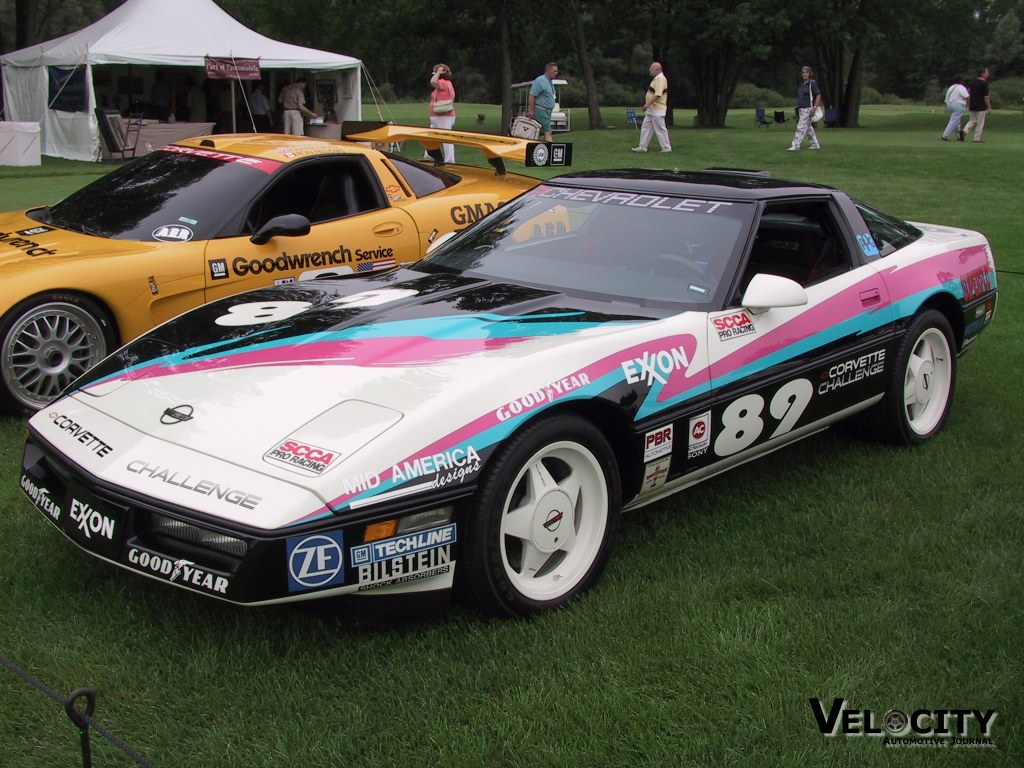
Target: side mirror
[440, 241]
[289, 225]
[766, 291]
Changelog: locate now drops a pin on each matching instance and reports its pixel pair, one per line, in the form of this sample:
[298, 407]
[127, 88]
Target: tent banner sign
[220, 68]
[67, 89]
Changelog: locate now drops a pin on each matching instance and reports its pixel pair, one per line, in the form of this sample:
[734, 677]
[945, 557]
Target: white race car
[481, 418]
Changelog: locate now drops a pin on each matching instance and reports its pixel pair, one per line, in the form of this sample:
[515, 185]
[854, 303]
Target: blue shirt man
[542, 99]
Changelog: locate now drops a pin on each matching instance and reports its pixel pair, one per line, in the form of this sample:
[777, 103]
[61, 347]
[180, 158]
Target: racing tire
[920, 391]
[542, 524]
[46, 342]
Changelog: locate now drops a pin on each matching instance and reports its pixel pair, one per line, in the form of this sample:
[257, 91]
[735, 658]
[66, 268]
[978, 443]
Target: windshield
[163, 196]
[642, 248]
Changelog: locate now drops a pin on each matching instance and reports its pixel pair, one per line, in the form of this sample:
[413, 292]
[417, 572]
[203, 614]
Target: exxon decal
[655, 366]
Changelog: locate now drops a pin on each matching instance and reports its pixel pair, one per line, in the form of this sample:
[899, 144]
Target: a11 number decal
[742, 423]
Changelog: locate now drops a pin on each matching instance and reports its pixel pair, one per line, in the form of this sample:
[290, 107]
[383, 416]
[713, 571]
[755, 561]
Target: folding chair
[831, 119]
[761, 119]
[631, 118]
[780, 117]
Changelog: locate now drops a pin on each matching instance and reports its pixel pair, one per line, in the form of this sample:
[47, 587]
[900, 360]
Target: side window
[890, 234]
[800, 241]
[321, 191]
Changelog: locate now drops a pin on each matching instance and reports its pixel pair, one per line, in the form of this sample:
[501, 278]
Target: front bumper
[249, 566]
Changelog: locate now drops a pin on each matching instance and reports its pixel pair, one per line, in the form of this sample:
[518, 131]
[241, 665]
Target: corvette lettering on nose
[656, 366]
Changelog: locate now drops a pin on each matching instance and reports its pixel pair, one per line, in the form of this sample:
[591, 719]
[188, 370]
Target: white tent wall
[73, 135]
[157, 34]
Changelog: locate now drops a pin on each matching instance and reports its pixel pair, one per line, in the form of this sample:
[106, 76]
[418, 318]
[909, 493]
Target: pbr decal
[733, 325]
[316, 561]
[655, 474]
[852, 371]
[399, 546]
[183, 572]
[699, 439]
[301, 457]
[41, 498]
[658, 443]
[219, 269]
[173, 233]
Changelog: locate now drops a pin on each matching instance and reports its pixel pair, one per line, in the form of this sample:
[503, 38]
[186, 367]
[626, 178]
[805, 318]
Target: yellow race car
[217, 215]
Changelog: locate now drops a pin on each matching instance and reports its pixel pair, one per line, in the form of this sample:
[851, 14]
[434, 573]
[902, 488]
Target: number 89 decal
[260, 313]
[743, 424]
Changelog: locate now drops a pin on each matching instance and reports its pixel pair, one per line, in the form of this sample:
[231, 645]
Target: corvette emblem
[177, 414]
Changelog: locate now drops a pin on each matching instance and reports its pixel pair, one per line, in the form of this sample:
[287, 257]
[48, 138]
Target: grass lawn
[832, 569]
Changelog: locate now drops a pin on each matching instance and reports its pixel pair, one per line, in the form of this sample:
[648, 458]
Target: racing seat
[336, 197]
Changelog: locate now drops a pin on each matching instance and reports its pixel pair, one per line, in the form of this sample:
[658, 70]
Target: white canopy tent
[151, 33]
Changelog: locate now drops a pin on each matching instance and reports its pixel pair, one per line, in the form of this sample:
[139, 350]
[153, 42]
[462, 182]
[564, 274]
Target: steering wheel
[674, 265]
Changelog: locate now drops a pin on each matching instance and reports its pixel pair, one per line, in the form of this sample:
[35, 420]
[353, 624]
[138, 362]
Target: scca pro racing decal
[301, 457]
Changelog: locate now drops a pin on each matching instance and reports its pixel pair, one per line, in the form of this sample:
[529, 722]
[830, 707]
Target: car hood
[24, 242]
[340, 382]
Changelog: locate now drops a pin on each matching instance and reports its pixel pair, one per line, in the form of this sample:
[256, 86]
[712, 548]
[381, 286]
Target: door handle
[388, 229]
[873, 296]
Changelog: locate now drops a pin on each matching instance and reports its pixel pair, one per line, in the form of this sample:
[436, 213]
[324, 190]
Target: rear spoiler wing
[497, 149]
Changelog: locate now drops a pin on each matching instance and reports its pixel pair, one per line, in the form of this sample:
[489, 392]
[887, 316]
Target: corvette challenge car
[216, 215]
[480, 419]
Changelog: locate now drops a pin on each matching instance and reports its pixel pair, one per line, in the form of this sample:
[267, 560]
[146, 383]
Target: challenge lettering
[201, 486]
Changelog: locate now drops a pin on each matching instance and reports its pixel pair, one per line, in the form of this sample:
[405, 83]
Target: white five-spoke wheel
[48, 342]
[923, 379]
[541, 528]
[928, 382]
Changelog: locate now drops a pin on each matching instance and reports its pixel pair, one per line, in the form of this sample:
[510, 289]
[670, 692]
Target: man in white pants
[655, 108]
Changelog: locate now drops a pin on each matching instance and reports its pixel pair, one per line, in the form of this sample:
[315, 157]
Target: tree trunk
[579, 41]
[26, 23]
[506, 68]
[849, 117]
[714, 79]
